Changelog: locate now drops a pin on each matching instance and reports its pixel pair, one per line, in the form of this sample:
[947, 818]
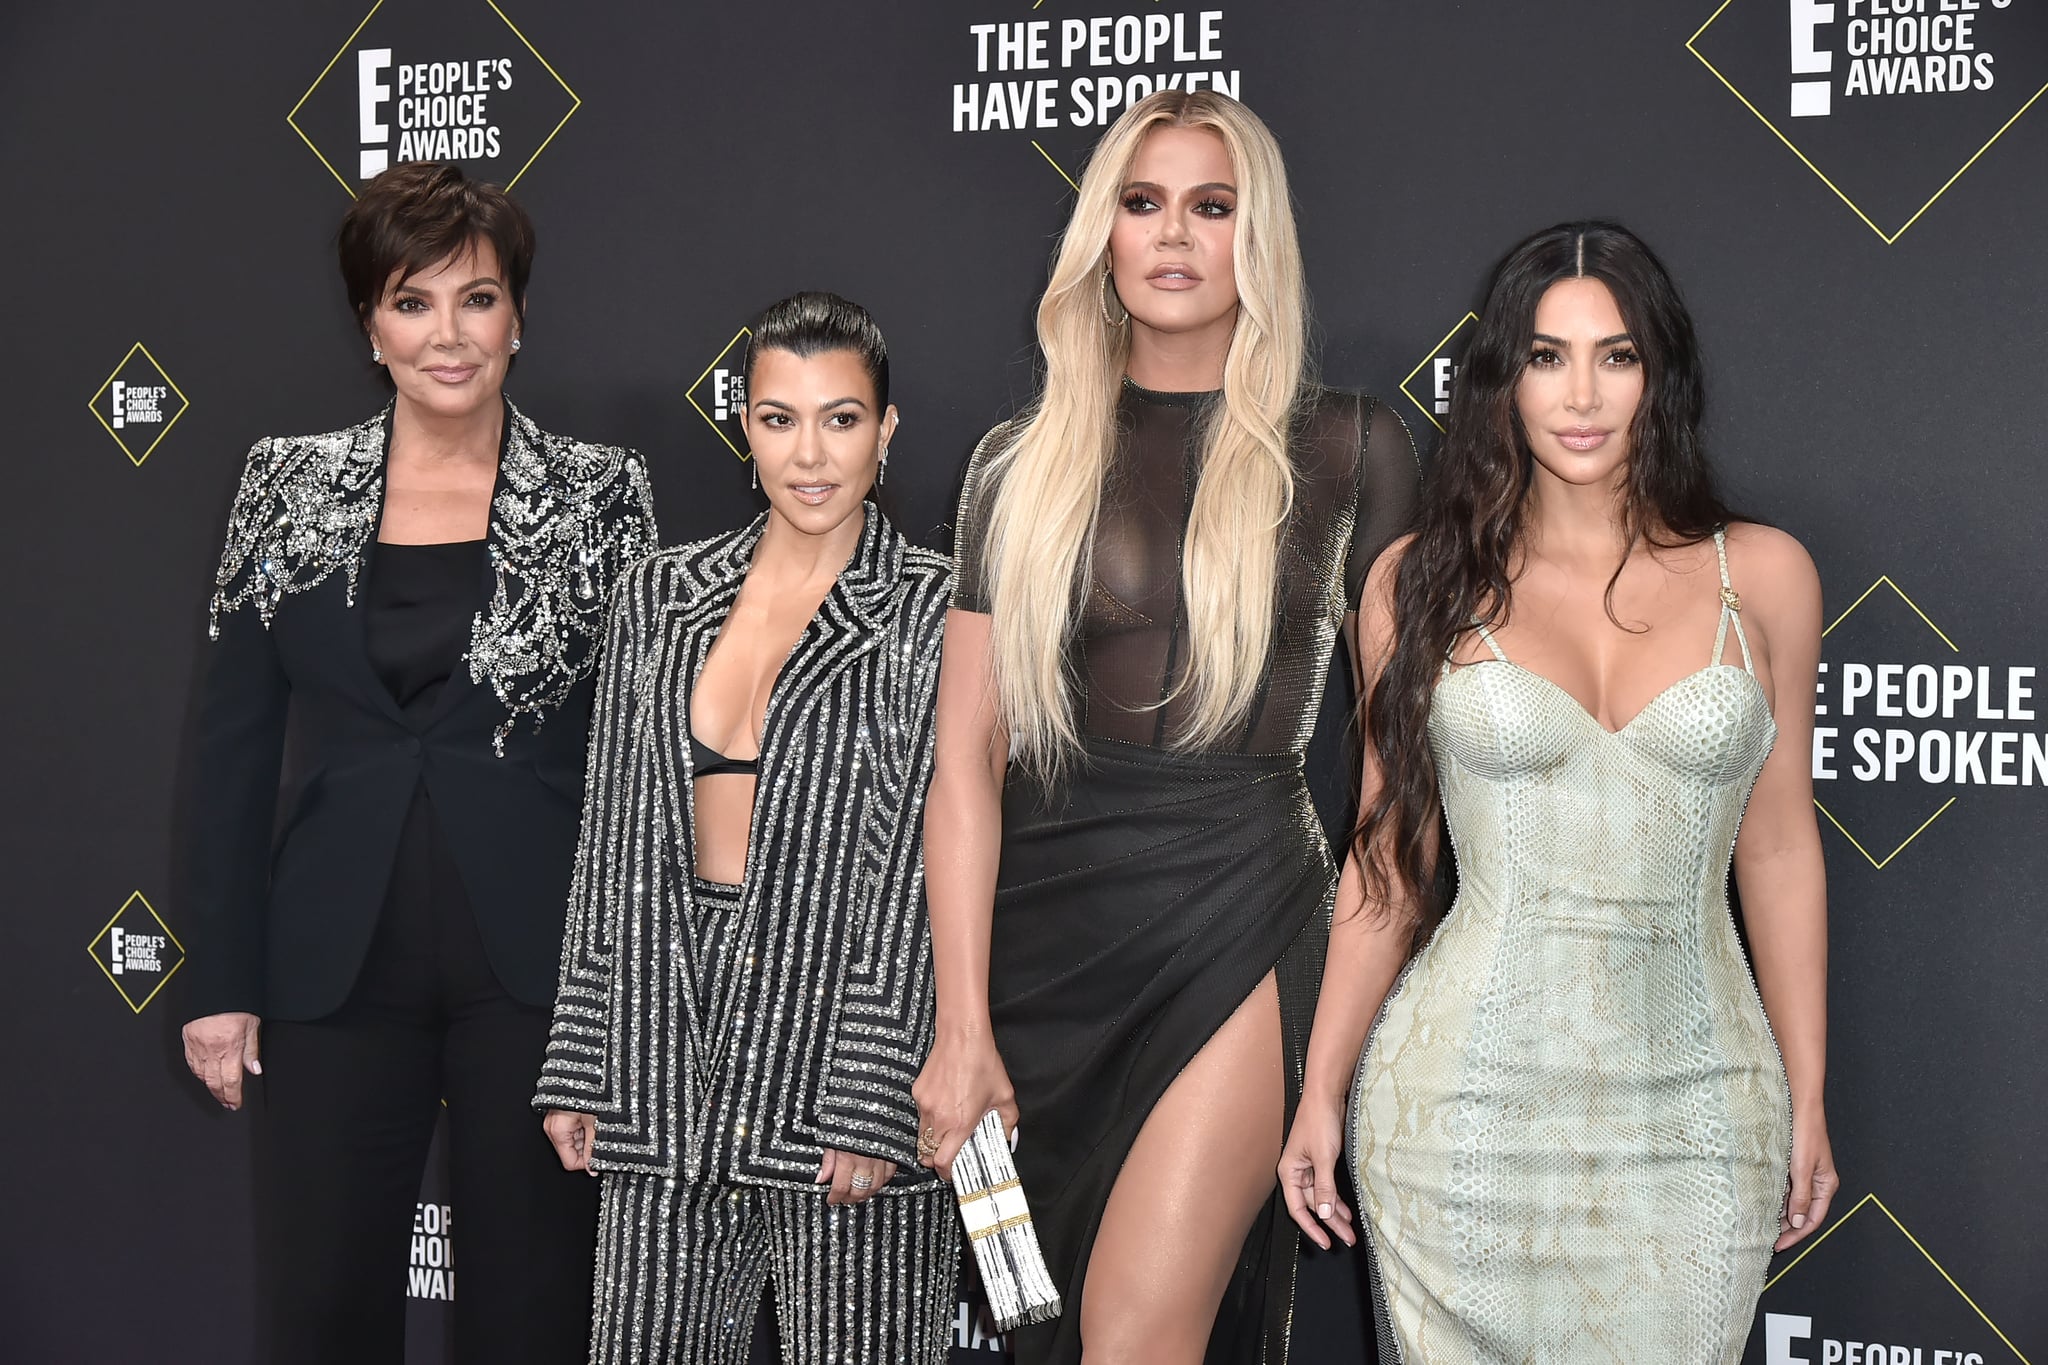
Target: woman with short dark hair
[418, 598]
[746, 985]
[1580, 1128]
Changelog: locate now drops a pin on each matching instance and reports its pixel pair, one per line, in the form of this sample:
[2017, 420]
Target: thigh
[680, 1269]
[1196, 1177]
[525, 1229]
[348, 1113]
[864, 1284]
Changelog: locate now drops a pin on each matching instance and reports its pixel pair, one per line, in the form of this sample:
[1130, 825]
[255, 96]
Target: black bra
[706, 761]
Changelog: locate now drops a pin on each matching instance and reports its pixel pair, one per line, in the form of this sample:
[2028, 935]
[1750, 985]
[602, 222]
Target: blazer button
[411, 746]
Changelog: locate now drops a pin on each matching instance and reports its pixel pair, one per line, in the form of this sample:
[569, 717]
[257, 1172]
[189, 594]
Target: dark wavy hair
[1458, 569]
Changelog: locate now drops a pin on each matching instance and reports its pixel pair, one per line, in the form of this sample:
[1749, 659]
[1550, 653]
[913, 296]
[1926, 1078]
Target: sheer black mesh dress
[1140, 903]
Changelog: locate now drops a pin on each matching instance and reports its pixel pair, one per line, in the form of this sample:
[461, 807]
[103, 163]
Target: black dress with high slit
[1140, 902]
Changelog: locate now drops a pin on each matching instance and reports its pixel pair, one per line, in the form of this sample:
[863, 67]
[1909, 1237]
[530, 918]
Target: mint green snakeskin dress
[1571, 1127]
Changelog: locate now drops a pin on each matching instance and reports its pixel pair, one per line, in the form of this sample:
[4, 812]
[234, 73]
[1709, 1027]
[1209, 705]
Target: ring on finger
[862, 1182]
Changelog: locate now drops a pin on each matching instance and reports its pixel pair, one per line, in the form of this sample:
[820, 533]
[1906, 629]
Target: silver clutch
[998, 1223]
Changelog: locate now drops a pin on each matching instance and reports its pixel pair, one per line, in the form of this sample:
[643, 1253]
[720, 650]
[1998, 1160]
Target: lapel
[372, 443]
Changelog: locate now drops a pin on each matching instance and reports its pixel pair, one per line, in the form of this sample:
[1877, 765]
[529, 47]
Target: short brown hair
[420, 213]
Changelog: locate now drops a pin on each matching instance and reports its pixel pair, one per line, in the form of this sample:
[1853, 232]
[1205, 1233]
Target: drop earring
[882, 469]
[755, 469]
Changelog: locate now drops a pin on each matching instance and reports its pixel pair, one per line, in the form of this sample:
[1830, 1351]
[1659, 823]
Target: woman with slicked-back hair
[416, 601]
[746, 980]
[1129, 886]
[1573, 1126]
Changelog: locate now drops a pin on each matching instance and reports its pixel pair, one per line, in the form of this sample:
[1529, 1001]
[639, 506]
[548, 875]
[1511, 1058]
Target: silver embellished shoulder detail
[566, 520]
[306, 507]
[567, 517]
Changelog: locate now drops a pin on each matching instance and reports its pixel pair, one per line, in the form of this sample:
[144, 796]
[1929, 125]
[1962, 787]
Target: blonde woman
[1129, 888]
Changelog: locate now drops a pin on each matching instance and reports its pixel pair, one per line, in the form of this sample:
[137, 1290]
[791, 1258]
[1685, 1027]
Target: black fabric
[1133, 917]
[420, 604]
[1356, 482]
[283, 912]
[706, 761]
[1137, 908]
[349, 1104]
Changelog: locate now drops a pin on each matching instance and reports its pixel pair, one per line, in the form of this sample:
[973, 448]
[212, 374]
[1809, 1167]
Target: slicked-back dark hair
[420, 213]
[1475, 513]
[814, 322]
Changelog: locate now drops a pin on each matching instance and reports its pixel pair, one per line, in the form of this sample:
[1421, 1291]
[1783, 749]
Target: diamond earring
[515, 345]
[756, 470]
[376, 356]
[882, 469]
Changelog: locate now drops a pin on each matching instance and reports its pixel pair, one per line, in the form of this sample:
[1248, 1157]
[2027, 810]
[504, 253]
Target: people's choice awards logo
[430, 1273]
[1905, 723]
[138, 404]
[720, 393]
[433, 80]
[1924, 1318]
[1428, 385]
[1043, 75]
[137, 951]
[1887, 101]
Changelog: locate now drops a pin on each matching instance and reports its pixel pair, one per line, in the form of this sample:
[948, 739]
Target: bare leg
[1202, 1166]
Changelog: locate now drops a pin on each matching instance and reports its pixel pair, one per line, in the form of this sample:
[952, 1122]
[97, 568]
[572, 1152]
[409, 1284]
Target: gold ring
[862, 1182]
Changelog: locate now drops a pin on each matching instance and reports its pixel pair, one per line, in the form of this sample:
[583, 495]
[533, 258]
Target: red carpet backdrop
[1851, 194]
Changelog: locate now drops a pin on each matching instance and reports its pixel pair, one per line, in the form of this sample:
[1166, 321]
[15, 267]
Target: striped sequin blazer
[818, 1045]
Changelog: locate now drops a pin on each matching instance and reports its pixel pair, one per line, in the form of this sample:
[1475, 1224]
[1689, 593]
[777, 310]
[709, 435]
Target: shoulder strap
[1731, 608]
[1487, 636]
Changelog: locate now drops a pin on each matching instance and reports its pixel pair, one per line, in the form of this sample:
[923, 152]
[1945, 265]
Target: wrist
[962, 1025]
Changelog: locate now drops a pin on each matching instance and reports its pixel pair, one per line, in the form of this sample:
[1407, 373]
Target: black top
[1356, 484]
[419, 611]
[706, 761]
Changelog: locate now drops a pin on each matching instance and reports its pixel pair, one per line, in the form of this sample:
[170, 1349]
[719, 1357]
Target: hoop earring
[1103, 290]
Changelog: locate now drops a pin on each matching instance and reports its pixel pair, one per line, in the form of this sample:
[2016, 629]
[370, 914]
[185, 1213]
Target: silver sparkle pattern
[810, 1030]
[566, 517]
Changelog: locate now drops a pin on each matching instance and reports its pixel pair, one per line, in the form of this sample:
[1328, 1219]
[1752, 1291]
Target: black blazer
[282, 915]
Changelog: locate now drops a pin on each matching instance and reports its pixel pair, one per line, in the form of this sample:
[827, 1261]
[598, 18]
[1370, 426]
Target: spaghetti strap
[1731, 609]
[1487, 636]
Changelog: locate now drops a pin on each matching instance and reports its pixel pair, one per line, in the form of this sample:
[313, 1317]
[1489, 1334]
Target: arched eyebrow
[491, 280]
[826, 406]
[1617, 339]
[1208, 188]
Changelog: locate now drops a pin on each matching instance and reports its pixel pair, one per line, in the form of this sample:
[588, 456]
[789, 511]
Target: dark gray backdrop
[1876, 391]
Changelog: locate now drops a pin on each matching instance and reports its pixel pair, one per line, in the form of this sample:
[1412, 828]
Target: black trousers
[350, 1106]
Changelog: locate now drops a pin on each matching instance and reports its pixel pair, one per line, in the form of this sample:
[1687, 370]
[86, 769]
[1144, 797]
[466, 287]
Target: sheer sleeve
[1389, 491]
[970, 525]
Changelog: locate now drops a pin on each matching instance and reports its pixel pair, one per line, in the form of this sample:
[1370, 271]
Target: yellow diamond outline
[91, 951]
[1907, 1233]
[1884, 580]
[1887, 238]
[575, 100]
[184, 403]
[1470, 317]
[691, 394]
[1071, 182]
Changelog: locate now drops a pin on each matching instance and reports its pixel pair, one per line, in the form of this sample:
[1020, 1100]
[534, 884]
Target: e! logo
[1811, 99]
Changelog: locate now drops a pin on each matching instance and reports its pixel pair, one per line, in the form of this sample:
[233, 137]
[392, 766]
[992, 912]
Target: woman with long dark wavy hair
[1572, 1129]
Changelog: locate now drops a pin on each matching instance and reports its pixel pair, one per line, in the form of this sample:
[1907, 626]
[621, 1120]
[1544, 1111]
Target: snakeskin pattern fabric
[1571, 1128]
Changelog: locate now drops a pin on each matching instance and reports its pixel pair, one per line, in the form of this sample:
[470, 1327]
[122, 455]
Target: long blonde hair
[1050, 473]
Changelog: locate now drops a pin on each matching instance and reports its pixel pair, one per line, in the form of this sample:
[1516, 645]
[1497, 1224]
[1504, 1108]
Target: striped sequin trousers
[682, 1264]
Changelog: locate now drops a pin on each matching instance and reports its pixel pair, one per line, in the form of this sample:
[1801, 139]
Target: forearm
[963, 845]
[1784, 908]
[1367, 947]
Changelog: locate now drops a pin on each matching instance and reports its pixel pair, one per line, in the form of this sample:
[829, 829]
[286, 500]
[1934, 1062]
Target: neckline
[1166, 399]
[431, 544]
[1648, 706]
